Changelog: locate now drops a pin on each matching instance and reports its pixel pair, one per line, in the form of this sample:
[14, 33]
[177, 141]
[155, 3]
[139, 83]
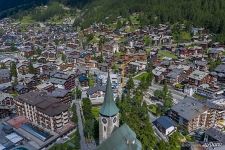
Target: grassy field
[164, 53]
[153, 108]
[185, 36]
[27, 20]
[199, 97]
[141, 75]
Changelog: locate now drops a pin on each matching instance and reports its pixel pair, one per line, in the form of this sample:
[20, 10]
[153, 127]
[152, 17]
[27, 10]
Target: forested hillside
[206, 13]
[203, 13]
[9, 7]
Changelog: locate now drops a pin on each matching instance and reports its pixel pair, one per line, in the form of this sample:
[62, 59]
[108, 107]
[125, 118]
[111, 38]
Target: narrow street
[83, 145]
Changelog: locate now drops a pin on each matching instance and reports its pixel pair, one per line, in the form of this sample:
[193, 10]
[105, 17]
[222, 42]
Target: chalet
[41, 60]
[198, 77]
[209, 91]
[219, 73]
[201, 65]
[112, 46]
[6, 87]
[175, 76]
[22, 68]
[103, 67]
[6, 104]
[46, 86]
[27, 52]
[165, 125]
[159, 73]
[137, 66]
[215, 53]
[61, 94]
[83, 79]
[5, 76]
[96, 94]
[62, 80]
[21, 89]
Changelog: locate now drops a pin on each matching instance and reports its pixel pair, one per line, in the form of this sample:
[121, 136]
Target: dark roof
[4, 73]
[19, 87]
[189, 108]
[220, 68]
[109, 107]
[96, 88]
[216, 134]
[83, 78]
[164, 121]
[44, 103]
[59, 93]
[174, 73]
[123, 138]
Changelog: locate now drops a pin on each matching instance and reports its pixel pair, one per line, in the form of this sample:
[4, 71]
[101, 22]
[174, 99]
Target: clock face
[114, 120]
[104, 120]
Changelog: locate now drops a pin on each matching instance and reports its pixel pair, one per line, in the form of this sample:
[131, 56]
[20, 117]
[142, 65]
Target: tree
[74, 117]
[119, 24]
[101, 43]
[130, 84]
[147, 40]
[78, 93]
[135, 114]
[63, 57]
[87, 107]
[3, 66]
[31, 69]
[167, 97]
[158, 94]
[38, 51]
[13, 70]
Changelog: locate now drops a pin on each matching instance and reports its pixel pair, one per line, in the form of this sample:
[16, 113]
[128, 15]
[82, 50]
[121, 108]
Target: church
[112, 136]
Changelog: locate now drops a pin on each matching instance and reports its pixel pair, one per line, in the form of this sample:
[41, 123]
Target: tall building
[45, 111]
[109, 114]
[193, 114]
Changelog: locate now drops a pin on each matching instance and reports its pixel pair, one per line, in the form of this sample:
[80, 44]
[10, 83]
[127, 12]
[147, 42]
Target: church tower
[109, 114]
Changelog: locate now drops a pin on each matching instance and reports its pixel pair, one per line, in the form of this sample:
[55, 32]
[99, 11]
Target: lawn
[95, 111]
[152, 108]
[199, 97]
[27, 20]
[185, 36]
[148, 50]
[135, 19]
[140, 76]
[165, 53]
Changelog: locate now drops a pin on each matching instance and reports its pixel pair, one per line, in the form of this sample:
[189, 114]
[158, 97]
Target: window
[104, 120]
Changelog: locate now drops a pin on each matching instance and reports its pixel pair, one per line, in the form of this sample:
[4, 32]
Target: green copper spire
[109, 107]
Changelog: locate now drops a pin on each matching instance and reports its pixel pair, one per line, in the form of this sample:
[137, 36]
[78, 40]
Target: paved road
[177, 95]
[83, 145]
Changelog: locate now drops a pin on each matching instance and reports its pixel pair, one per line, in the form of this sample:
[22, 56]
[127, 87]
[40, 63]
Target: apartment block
[46, 111]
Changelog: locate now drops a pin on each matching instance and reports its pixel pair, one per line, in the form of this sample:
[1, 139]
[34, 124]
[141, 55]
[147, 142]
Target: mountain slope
[8, 7]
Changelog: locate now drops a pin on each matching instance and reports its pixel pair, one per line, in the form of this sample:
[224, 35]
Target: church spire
[109, 107]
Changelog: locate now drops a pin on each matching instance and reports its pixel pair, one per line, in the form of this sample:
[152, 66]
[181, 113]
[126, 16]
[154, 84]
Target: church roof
[109, 107]
[123, 138]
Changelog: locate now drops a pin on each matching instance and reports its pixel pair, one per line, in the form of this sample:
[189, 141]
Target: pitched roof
[44, 103]
[123, 138]
[109, 107]
[198, 75]
[189, 108]
[164, 121]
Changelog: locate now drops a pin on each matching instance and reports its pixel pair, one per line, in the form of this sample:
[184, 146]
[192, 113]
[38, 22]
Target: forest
[202, 13]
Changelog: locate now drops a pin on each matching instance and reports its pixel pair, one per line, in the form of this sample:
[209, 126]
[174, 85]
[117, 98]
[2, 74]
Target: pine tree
[13, 70]
[31, 69]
